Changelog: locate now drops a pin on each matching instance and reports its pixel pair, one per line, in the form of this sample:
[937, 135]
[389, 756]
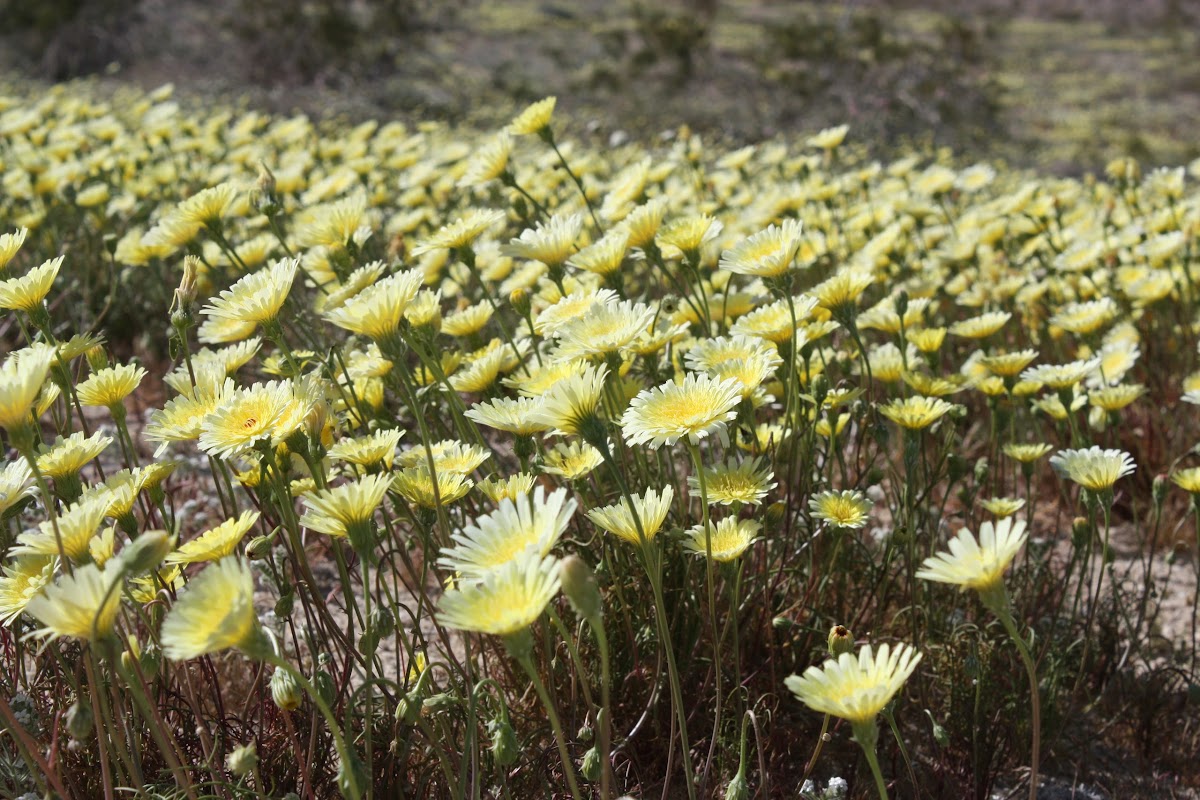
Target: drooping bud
[579, 585]
[591, 766]
[80, 721]
[505, 748]
[242, 761]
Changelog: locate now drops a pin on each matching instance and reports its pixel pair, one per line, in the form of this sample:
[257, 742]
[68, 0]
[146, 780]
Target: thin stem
[555, 724]
[710, 581]
[1030, 668]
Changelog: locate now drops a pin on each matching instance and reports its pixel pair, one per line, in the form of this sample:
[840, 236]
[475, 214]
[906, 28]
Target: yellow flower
[727, 540]
[367, 451]
[829, 138]
[644, 222]
[978, 565]
[1026, 453]
[510, 488]
[1061, 376]
[347, 510]
[488, 162]
[467, 321]
[856, 688]
[1187, 479]
[256, 298]
[604, 329]
[516, 416]
[982, 326]
[416, 486]
[29, 290]
[573, 402]
[215, 612]
[68, 456]
[735, 483]
[376, 312]
[848, 508]
[697, 408]
[23, 579]
[571, 460]
[603, 257]
[767, 254]
[915, 413]
[526, 525]
[551, 243]
[462, 232]
[1003, 506]
[1094, 469]
[689, 234]
[841, 292]
[76, 526]
[82, 605]
[651, 511]
[333, 225]
[215, 543]
[110, 386]
[507, 602]
[10, 243]
[1009, 365]
[245, 418]
[534, 119]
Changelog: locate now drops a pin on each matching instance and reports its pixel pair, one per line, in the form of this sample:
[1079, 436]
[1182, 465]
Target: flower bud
[80, 722]
[981, 470]
[260, 547]
[1159, 490]
[1081, 531]
[408, 710]
[780, 623]
[242, 761]
[579, 585]
[841, 640]
[505, 748]
[738, 788]
[590, 768]
[585, 734]
[285, 603]
[519, 298]
[146, 552]
[285, 691]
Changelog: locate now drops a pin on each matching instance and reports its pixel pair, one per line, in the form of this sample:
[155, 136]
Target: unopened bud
[408, 710]
[841, 640]
[242, 761]
[504, 741]
[591, 765]
[285, 691]
[1081, 531]
[519, 298]
[146, 552]
[80, 721]
[579, 585]
[738, 788]
[1159, 490]
[981, 470]
[775, 515]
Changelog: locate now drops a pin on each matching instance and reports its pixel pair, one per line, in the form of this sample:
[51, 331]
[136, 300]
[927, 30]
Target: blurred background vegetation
[1062, 85]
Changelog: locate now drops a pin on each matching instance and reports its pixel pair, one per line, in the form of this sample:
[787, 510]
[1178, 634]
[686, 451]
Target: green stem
[335, 730]
[1031, 669]
[710, 582]
[555, 724]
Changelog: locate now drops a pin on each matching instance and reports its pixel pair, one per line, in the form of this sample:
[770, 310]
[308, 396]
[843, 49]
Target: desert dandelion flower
[728, 538]
[110, 386]
[215, 543]
[1094, 469]
[857, 689]
[848, 508]
[82, 605]
[347, 510]
[534, 119]
[693, 410]
[978, 564]
[526, 524]
[505, 604]
[732, 483]
[10, 243]
[256, 298]
[215, 612]
[651, 510]
[766, 254]
[26, 293]
[21, 379]
[915, 413]
[23, 579]
[377, 311]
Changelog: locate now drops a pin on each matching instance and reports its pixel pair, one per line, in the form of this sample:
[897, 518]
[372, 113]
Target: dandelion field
[406, 461]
